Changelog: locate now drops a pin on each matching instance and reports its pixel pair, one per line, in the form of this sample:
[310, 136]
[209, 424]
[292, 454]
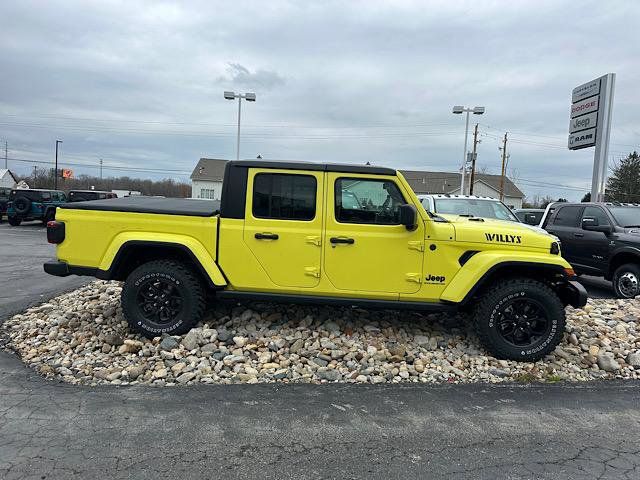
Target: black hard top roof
[90, 191]
[317, 167]
[36, 190]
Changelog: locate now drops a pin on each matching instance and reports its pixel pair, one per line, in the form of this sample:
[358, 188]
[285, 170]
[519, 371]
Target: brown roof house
[206, 179]
[484, 185]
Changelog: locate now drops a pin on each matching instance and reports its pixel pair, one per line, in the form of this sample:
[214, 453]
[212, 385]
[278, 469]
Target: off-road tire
[22, 205]
[488, 312]
[623, 279]
[14, 221]
[182, 280]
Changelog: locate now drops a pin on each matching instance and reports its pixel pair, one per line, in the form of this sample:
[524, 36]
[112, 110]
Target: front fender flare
[479, 267]
[192, 245]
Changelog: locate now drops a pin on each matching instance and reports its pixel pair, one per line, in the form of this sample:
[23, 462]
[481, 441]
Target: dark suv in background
[601, 239]
[4, 200]
[33, 204]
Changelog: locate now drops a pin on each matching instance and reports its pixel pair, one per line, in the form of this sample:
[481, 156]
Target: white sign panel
[590, 120]
[583, 139]
[585, 90]
[584, 106]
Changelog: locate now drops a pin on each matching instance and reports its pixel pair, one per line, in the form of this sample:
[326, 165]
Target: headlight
[555, 248]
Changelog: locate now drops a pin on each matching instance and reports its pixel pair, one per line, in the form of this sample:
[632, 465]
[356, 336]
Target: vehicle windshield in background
[530, 217]
[475, 207]
[626, 216]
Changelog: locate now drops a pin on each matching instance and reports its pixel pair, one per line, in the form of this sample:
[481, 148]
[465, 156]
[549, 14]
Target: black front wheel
[162, 297]
[520, 319]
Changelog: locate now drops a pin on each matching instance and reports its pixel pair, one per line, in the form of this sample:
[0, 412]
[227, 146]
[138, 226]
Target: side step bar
[335, 301]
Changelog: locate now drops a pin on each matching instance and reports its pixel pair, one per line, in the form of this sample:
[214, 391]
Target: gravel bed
[81, 337]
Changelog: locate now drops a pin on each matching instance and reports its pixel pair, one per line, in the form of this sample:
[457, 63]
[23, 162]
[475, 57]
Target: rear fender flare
[194, 247]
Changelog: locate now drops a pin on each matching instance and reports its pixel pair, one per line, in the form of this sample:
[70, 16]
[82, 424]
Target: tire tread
[191, 281]
[494, 295]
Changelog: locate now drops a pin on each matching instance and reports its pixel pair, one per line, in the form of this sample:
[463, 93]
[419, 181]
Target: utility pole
[504, 159]
[6, 157]
[473, 159]
[55, 173]
[100, 169]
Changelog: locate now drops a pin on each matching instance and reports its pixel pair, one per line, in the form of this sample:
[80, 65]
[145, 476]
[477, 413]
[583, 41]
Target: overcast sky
[139, 84]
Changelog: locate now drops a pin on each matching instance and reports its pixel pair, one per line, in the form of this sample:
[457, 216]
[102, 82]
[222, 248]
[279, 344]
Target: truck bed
[166, 206]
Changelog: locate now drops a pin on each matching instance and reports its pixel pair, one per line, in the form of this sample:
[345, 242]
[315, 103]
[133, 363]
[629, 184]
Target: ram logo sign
[583, 139]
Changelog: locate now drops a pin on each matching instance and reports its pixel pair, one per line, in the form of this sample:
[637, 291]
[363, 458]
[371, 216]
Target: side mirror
[408, 216]
[592, 225]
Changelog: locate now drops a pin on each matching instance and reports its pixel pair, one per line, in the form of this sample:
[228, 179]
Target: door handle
[266, 236]
[349, 241]
[578, 234]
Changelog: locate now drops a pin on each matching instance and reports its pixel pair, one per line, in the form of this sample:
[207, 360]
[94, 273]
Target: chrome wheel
[628, 284]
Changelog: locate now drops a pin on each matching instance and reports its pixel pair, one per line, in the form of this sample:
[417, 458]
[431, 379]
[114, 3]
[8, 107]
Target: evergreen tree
[624, 183]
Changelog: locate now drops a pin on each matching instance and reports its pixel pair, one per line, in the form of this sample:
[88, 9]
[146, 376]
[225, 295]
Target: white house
[7, 180]
[206, 179]
[206, 182]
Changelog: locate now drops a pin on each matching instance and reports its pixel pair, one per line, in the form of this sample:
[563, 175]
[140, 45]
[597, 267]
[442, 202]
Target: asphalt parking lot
[51, 430]
[23, 282]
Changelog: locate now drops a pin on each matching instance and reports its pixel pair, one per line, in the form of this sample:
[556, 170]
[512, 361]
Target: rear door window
[284, 196]
[568, 216]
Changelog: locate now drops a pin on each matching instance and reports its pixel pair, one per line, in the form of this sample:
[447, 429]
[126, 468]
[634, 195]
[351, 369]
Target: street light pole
[464, 154]
[249, 97]
[458, 109]
[55, 173]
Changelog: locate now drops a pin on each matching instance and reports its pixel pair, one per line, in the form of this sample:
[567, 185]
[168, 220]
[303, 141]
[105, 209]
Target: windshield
[475, 207]
[626, 216]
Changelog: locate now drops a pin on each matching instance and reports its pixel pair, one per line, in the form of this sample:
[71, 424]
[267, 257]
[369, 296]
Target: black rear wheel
[520, 319]
[162, 296]
[14, 221]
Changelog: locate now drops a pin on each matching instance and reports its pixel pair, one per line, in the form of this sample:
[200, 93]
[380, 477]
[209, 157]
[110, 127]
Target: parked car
[86, 195]
[4, 200]
[601, 239]
[467, 206]
[285, 233]
[530, 216]
[33, 204]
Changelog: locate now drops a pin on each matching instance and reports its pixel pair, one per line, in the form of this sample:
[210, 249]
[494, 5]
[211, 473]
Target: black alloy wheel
[159, 301]
[522, 322]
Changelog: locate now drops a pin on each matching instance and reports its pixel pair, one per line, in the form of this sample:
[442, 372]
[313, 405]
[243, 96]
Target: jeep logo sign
[583, 139]
[584, 122]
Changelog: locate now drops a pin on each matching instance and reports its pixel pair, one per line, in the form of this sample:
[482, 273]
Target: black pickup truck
[601, 239]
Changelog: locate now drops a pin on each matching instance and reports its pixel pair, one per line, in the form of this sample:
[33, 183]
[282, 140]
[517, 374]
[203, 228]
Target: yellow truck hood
[498, 232]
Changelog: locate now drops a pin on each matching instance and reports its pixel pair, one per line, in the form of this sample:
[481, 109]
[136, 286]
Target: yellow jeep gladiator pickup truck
[324, 233]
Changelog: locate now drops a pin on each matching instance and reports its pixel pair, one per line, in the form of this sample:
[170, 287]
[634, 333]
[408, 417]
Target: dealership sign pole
[590, 125]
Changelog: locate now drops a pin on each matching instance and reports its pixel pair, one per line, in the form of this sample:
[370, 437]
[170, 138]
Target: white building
[206, 179]
[206, 182]
[7, 180]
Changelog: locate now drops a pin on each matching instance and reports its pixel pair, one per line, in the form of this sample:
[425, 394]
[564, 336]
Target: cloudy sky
[139, 84]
